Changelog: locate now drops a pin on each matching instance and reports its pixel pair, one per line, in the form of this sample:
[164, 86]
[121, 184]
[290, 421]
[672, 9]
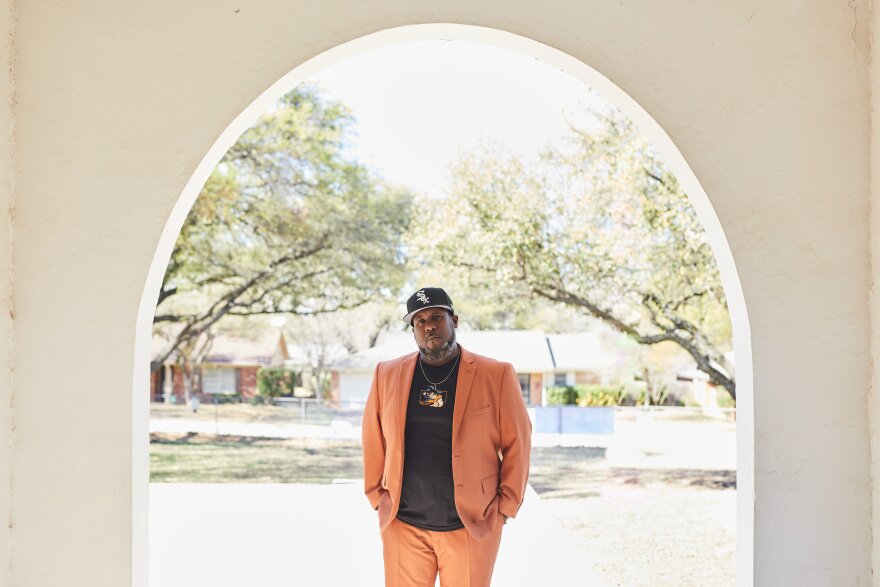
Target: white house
[582, 359]
[541, 360]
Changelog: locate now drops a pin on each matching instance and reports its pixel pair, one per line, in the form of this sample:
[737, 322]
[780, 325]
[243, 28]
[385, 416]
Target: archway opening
[646, 124]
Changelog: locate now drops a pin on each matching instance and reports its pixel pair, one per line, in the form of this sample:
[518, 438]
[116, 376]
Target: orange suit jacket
[491, 440]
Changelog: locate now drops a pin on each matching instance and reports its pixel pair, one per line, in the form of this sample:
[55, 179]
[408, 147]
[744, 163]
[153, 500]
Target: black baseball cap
[427, 297]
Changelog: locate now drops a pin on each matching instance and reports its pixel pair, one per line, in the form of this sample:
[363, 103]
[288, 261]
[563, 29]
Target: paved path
[341, 430]
[274, 535]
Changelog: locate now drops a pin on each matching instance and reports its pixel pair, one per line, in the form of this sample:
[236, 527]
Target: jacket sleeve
[373, 441]
[516, 443]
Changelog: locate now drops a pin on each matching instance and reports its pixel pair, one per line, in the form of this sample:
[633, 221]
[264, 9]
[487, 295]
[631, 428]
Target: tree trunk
[186, 371]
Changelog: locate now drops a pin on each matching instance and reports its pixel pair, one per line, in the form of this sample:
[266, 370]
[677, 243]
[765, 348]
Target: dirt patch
[654, 537]
[578, 472]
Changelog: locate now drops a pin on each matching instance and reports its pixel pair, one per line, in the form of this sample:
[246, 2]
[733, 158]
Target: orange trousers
[413, 556]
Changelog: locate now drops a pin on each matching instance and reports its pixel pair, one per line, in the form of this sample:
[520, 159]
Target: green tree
[598, 224]
[286, 223]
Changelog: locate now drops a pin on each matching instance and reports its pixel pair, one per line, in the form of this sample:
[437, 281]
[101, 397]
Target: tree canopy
[286, 223]
[598, 224]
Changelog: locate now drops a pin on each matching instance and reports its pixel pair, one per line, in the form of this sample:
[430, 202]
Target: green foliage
[600, 225]
[586, 395]
[600, 395]
[636, 394]
[275, 382]
[660, 398]
[286, 223]
[565, 395]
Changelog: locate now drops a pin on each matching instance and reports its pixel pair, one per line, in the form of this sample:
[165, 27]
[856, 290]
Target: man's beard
[441, 354]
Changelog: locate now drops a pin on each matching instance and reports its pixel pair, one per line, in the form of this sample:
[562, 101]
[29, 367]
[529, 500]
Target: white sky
[417, 105]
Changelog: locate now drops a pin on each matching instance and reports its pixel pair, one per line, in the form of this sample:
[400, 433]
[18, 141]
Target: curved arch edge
[477, 34]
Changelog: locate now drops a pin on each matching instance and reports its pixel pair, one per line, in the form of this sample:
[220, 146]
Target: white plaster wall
[6, 331]
[874, 403]
[118, 102]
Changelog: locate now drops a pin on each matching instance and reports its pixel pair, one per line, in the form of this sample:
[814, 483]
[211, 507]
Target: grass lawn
[556, 472]
[199, 458]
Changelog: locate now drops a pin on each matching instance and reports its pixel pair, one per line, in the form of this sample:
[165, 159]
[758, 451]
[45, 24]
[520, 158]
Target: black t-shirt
[427, 497]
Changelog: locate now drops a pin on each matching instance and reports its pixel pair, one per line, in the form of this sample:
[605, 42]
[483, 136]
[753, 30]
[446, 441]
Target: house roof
[583, 351]
[263, 348]
[390, 346]
[303, 355]
[526, 350]
[529, 351]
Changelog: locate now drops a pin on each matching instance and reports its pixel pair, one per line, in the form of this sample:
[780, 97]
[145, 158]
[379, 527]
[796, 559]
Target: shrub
[586, 395]
[259, 400]
[275, 383]
[565, 395]
[663, 398]
[600, 395]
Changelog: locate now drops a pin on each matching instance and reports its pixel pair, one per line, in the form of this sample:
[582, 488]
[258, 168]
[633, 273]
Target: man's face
[434, 331]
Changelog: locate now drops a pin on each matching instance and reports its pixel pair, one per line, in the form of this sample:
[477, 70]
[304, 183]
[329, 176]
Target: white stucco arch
[111, 106]
[553, 57]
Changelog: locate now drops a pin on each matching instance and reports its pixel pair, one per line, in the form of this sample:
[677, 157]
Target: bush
[600, 395]
[586, 395]
[664, 398]
[273, 383]
[260, 400]
[565, 395]
[630, 394]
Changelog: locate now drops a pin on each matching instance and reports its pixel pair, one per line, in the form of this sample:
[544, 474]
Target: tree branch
[703, 353]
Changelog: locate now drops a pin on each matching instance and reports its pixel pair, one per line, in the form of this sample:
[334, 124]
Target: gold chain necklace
[448, 375]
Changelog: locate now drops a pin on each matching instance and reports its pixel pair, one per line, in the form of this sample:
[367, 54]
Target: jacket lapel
[404, 383]
[462, 389]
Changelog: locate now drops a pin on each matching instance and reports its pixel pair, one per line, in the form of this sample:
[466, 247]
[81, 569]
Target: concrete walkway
[339, 430]
[273, 535]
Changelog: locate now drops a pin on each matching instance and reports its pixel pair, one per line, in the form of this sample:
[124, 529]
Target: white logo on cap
[420, 295]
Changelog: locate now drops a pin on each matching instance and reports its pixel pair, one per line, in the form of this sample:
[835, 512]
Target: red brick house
[230, 368]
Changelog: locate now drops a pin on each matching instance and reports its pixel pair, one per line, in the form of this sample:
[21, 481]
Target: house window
[218, 380]
[560, 380]
[525, 380]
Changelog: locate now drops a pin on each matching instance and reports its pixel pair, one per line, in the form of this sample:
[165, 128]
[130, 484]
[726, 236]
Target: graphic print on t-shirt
[433, 398]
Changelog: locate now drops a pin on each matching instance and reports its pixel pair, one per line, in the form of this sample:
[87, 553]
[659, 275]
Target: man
[446, 440]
